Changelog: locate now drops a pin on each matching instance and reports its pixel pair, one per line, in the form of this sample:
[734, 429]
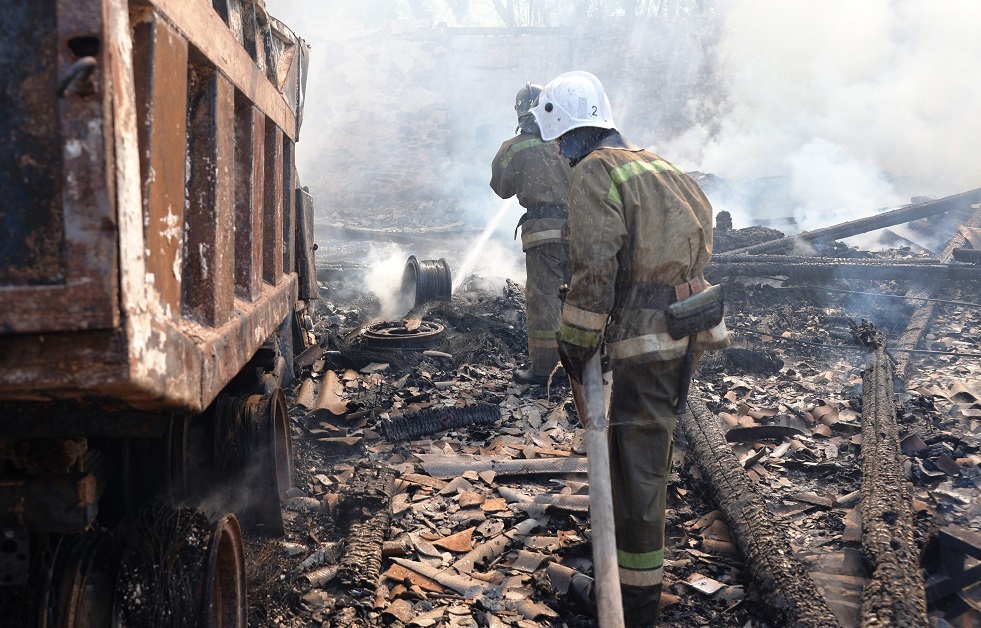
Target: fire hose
[591, 406]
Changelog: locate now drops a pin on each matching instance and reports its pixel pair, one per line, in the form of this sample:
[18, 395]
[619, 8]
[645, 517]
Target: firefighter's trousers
[641, 440]
[547, 266]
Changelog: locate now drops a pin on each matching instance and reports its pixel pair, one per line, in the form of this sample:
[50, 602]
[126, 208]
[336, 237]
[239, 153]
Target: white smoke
[862, 105]
[386, 263]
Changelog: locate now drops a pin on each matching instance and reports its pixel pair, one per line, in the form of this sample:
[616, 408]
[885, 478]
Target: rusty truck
[156, 262]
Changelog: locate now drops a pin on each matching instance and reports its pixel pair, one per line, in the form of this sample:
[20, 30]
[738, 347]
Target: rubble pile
[487, 523]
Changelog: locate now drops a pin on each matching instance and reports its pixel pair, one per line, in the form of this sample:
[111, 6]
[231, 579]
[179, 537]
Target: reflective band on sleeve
[517, 148]
[632, 169]
[642, 577]
[540, 237]
[582, 318]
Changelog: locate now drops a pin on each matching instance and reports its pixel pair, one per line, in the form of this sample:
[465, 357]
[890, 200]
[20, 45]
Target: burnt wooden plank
[249, 197]
[160, 71]
[866, 224]
[895, 594]
[920, 320]
[272, 249]
[209, 251]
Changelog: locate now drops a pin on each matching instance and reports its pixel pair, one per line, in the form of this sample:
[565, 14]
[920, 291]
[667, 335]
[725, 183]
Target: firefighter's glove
[574, 358]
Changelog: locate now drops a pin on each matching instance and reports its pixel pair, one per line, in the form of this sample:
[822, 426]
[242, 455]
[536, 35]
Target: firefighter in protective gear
[640, 236]
[532, 169]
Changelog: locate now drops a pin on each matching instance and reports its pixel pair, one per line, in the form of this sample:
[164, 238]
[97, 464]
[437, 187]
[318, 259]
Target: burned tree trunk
[790, 595]
[864, 225]
[894, 595]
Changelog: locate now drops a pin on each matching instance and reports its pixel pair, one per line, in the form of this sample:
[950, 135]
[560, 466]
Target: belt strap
[644, 295]
[535, 211]
[651, 295]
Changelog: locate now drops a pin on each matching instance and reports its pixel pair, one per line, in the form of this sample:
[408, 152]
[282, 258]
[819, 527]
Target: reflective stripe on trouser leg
[546, 267]
[641, 438]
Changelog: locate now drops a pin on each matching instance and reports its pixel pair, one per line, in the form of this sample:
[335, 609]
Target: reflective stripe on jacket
[633, 217]
[536, 232]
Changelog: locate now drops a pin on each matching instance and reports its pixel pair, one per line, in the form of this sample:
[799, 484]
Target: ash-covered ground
[465, 540]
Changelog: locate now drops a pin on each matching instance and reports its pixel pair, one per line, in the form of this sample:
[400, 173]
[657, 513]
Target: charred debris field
[827, 472]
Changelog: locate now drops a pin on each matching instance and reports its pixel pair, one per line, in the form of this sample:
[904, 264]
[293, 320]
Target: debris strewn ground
[487, 523]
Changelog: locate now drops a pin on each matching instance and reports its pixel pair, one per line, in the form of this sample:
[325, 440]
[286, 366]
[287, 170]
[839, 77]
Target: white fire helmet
[572, 100]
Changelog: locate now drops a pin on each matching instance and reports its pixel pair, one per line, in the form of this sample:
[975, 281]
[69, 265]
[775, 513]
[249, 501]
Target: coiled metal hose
[425, 280]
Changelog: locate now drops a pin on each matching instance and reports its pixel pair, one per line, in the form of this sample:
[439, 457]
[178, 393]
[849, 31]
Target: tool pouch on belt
[699, 312]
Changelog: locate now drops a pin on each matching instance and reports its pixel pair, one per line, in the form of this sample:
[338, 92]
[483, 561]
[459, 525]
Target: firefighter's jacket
[639, 226]
[532, 169]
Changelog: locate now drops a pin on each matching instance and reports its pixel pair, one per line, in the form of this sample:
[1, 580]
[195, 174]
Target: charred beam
[924, 290]
[864, 225]
[791, 597]
[894, 595]
[367, 507]
[834, 268]
[431, 420]
[445, 467]
[968, 256]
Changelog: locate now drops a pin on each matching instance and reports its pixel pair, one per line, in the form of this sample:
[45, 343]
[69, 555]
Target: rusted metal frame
[249, 197]
[188, 365]
[790, 596]
[209, 247]
[924, 314]
[864, 225]
[289, 206]
[75, 255]
[894, 594]
[66, 502]
[31, 150]
[305, 246]
[70, 420]
[161, 57]
[272, 244]
[204, 30]
[228, 348]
